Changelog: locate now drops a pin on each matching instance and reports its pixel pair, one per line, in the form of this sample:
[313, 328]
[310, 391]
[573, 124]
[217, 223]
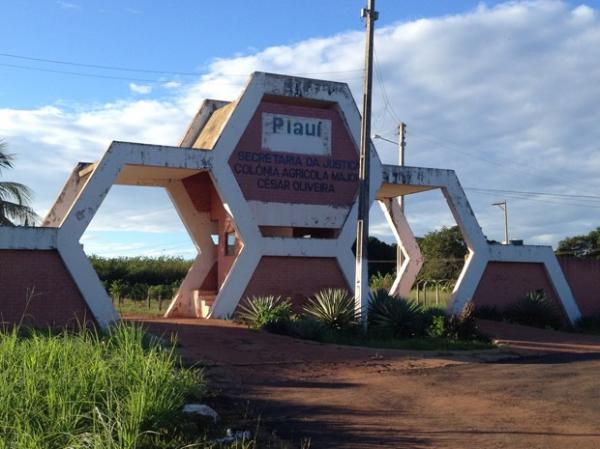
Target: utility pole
[502, 205]
[401, 150]
[361, 286]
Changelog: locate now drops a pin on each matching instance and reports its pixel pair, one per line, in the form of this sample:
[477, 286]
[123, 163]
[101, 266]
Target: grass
[134, 307]
[120, 390]
[412, 343]
[84, 390]
[427, 298]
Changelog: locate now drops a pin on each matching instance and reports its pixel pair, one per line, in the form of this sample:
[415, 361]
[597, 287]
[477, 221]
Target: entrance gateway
[273, 177]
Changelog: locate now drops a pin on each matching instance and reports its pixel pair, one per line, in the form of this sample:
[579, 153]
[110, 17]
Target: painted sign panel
[296, 154]
[295, 134]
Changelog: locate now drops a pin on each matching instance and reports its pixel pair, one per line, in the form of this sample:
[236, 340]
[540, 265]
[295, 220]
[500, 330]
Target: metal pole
[505, 222]
[361, 287]
[401, 148]
[504, 206]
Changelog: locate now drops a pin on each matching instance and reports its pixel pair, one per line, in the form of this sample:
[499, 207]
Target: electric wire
[542, 200]
[131, 69]
[87, 75]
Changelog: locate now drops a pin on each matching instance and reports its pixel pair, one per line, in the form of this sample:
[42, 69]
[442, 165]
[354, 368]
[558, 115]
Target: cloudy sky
[506, 94]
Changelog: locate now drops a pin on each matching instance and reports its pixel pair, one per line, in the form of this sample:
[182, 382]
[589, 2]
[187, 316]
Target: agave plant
[394, 316]
[535, 309]
[266, 312]
[335, 308]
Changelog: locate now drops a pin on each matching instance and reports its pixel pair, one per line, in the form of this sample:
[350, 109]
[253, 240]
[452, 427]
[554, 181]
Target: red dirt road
[344, 397]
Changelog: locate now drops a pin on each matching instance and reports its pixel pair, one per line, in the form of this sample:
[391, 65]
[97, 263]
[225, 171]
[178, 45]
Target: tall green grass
[85, 390]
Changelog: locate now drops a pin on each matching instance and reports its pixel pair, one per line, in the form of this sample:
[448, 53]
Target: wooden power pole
[361, 287]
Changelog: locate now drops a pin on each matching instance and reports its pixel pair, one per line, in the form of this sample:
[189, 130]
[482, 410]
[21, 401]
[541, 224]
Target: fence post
[425, 293]
[160, 302]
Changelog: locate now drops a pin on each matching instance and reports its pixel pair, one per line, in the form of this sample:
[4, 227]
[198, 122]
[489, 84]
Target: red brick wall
[199, 188]
[56, 300]
[583, 276]
[503, 283]
[295, 277]
[205, 198]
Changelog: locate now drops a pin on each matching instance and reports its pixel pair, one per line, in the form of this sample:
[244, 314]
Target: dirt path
[342, 397]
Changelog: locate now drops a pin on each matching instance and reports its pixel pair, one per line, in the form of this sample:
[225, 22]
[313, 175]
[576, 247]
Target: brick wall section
[295, 277]
[56, 302]
[583, 276]
[503, 283]
[199, 187]
[205, 198]
[342, 148]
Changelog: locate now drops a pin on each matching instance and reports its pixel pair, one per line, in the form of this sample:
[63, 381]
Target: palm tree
[14, 197]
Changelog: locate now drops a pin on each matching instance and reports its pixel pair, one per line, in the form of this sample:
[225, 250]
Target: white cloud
[171, 85]
[507, 96]
[67, 5]
[140, 88]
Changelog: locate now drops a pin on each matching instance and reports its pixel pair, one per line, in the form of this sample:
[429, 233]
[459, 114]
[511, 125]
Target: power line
[98, 66]
[88, 75]
[562, 202]
[523, 168]
[551, 194]
[504, 191]
[386, 99]
[134, 69]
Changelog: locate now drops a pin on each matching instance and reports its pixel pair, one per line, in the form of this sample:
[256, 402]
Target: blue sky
[180, 36]
[504, 93]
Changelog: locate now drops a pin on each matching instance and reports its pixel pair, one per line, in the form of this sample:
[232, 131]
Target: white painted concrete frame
[480, 251]
[200, 228]
[541, 255]
[255, 245]
[405, 239]
[82, 196]
[73, 215]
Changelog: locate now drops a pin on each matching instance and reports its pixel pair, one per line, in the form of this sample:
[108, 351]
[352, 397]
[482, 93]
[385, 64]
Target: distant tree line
[444, 251]
[141, 277]
[582, 246]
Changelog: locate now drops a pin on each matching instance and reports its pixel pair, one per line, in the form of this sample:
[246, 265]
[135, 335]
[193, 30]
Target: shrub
[382, 281]
[437, 327]
[535, 309]
[463, 325]
[589, 324]
[395, 317]
[334, 308]
[307, 328]
[271, 312]
[488, 313]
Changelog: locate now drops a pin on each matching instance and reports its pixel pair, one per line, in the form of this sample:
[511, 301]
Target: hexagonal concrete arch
[398, 181]
[279, 165]
[285, 159]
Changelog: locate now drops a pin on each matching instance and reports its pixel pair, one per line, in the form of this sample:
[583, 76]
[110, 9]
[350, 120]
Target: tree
[14, 197]
[117, 290]
[583, 246]
[382, 257]
[444, 253]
